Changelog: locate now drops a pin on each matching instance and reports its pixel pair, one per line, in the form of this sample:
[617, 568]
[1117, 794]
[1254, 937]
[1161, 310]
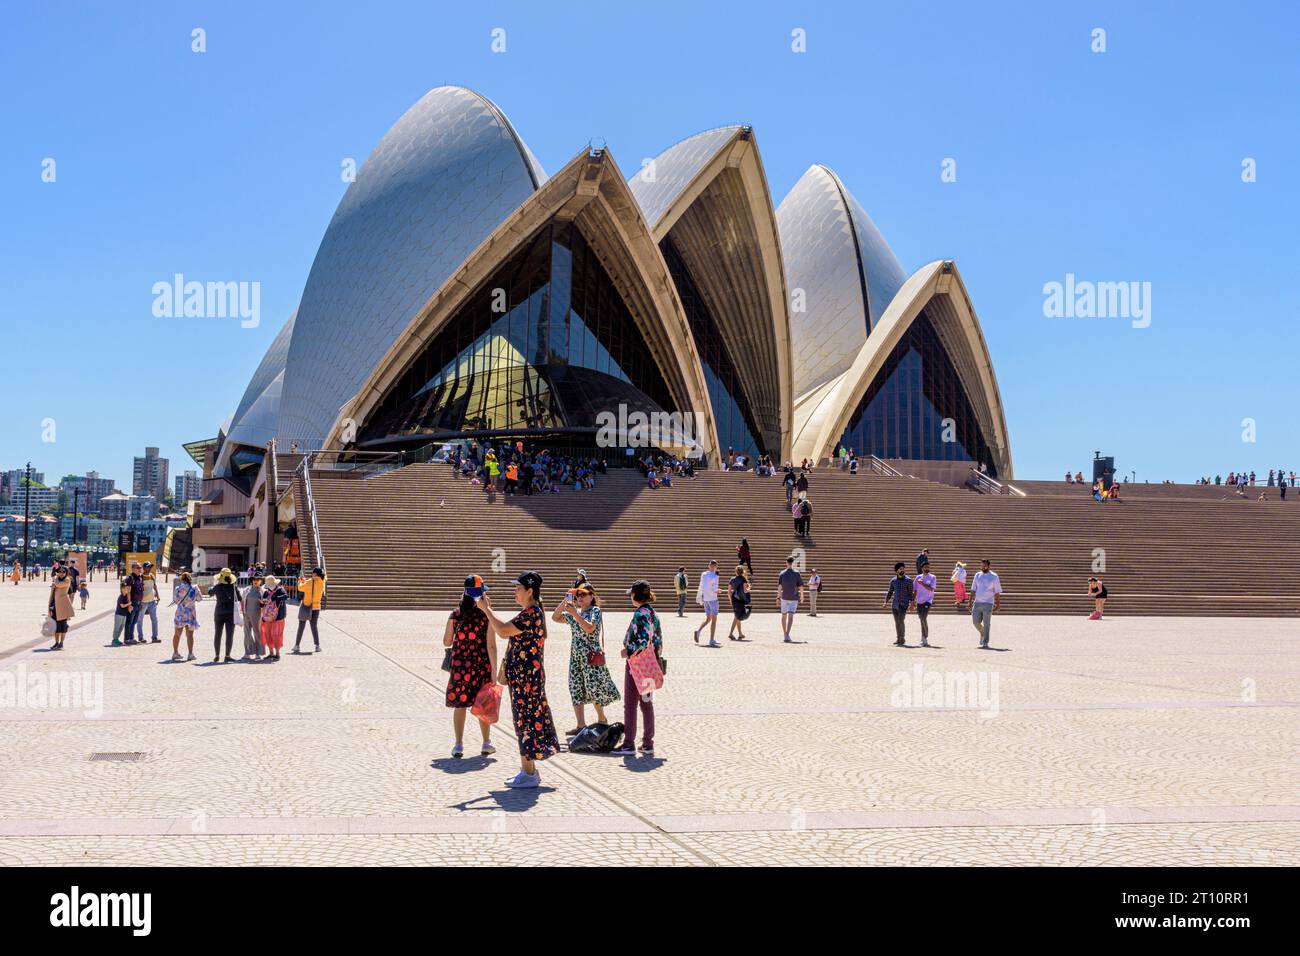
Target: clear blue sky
[1117, 166]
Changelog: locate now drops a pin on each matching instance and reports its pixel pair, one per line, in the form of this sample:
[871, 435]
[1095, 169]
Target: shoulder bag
[596, 658]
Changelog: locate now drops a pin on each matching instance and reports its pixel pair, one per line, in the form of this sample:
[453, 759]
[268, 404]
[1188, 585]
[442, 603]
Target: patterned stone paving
[1135, 740]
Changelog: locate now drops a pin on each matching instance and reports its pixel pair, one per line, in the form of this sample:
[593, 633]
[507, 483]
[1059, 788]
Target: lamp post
[27, 515]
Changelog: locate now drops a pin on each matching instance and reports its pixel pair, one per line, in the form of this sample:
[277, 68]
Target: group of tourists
[1241, 480]
[1103, 493]
[905, 595]
[487, 653]
[791, 588]
[260, 609]
[845, 458]
[522, 470]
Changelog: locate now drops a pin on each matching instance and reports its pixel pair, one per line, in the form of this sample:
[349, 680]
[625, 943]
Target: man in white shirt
[814, 585]
[986, 597]
[707, 596]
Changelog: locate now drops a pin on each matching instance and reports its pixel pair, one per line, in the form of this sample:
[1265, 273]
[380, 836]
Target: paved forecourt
[1133, 740]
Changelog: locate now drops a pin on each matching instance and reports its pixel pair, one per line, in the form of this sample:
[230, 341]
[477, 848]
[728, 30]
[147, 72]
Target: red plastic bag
[487, 705]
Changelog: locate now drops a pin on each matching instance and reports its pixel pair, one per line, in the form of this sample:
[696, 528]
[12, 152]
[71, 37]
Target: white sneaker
[176, 656]
[788, 640]
[190, 658]
[713, 644]
[523, 781]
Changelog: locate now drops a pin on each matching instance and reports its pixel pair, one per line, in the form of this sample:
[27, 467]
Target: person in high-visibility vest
[313, 592]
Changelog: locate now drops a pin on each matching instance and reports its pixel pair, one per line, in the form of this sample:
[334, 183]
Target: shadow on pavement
[643, 764]
[454, 765]
[511, 801]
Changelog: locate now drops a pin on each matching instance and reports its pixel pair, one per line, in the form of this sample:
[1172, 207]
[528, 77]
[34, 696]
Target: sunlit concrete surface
[1125, 741]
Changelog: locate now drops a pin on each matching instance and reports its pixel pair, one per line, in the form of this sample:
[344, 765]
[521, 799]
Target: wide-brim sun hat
[271, 581]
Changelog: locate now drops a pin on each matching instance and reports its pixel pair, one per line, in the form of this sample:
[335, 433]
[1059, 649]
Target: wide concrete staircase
[407, 538]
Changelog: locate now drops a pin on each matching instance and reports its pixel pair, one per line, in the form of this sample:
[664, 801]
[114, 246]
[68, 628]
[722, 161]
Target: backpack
[597, 739]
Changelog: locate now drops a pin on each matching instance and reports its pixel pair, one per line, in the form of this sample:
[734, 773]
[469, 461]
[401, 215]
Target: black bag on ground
[596, 739]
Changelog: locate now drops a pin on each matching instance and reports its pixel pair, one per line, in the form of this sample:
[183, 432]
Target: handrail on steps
[309, 510]
[882, 467]
[986, 485]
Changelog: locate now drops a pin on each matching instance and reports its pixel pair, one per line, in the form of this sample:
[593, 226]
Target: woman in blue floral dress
[588, 683]
[523, 672]
[184, 597]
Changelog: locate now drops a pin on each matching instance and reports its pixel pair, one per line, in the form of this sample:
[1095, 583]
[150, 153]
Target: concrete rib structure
[681, 290]
[590, 193]
[437, 184]
[935, 290]
[707, 202]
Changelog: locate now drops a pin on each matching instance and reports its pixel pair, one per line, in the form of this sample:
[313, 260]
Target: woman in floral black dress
[473, 662]
[523, 671]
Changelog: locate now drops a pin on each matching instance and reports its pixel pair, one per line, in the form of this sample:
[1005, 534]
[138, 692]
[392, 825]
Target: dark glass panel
[566, 349]
[903, 411]
[731, 410]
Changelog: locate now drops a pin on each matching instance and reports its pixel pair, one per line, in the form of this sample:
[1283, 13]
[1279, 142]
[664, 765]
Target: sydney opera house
[461, 292]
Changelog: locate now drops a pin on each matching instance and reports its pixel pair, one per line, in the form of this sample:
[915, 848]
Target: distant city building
[93, 532]
[90, 531]
[154, 529]
[97, 487]
[120, 507]
[11, 481]
[189, 487]
[149, 475]
[13, 478]
[14, 527]
[41, 498]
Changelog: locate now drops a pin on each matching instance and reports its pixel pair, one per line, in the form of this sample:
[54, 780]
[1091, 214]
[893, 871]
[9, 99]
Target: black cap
[530, 579]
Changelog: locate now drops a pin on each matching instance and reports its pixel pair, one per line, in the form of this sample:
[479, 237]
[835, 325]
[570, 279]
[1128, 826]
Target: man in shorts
[707, 597]
[789, 594]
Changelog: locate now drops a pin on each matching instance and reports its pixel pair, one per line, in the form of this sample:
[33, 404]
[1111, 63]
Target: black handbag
[597, 739]
[446, 660]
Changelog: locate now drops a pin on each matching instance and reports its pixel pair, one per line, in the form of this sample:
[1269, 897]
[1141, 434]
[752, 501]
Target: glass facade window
[544, 346]
[917, 408]
[731, 410]
[245, 463]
